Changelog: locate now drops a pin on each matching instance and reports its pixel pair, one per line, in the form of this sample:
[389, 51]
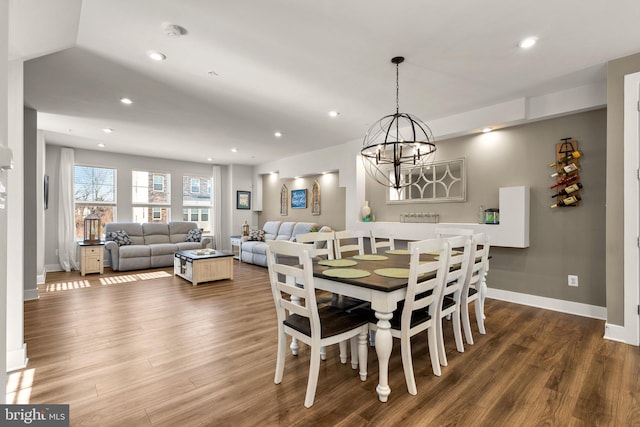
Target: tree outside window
[94, 192]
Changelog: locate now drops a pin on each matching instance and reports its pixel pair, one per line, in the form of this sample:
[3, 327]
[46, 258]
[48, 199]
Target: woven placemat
[337, 262]
[371, 257]
[397, 252]
[394, 273]
[346, 273]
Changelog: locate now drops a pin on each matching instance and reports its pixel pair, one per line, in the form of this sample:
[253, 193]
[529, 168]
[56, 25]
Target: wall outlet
[572, 280]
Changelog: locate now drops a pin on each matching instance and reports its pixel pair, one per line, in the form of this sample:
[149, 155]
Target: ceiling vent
[172, 30]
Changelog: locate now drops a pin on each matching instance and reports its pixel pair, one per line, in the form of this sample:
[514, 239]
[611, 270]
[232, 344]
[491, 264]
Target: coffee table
[198, 267]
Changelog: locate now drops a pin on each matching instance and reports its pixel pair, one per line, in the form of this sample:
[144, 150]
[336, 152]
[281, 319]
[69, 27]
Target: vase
[366, 212]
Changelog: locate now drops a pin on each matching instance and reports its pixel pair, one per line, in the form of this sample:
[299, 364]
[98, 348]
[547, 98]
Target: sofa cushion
[285, 231]
[162, 248]
[260, 248]
[194, 235]
[186, 246]
[302, 228]
[120, 237]
[155, 232]
[178, 230]
[271, 229]
[135, 251]
[257, 235]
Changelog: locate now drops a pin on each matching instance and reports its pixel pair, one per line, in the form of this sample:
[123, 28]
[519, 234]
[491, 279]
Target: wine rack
[567, 174]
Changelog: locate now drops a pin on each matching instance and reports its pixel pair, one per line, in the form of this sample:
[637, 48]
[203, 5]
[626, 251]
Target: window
[158, 183]
[197, 201]
[94, 192]
[195, 186]
[151, 196]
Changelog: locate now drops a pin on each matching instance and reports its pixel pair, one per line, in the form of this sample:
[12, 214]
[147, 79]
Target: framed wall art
[243, 200]
[299, 199]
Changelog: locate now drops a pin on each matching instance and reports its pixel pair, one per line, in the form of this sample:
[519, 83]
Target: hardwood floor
[147, 348]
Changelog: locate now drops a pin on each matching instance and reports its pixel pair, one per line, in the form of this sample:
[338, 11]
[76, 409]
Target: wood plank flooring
[147, 348]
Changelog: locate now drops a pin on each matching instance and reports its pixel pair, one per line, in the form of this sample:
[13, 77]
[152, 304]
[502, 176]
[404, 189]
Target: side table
[236, 242]
[91, 257]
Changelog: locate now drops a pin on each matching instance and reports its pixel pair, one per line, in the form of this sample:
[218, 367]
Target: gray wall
[332, 199]
[563, 241]
[124, 164]
[616, 71]
[31, 206]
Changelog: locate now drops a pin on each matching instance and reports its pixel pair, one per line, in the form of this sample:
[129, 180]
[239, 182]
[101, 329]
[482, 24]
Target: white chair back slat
[349, 235]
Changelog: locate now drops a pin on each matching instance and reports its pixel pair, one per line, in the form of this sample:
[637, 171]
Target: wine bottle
[571, 167]
[568, 190]
[568, 180]
[573, 155]
[571, 200]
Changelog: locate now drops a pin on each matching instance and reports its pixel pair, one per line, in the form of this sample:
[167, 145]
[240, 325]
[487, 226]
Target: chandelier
[398, 146]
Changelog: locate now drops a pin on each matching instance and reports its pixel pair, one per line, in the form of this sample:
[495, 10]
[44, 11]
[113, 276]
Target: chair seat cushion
[418, 316]
[333, 321]
[447, 302]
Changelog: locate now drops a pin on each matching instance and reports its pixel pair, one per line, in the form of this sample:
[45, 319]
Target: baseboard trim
[620, 334]
[31, 294]
[569, 307]
[17, 359]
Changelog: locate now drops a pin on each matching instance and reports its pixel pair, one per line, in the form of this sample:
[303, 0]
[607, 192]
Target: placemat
[397, 252]
[346, 273]
[394, 273]
[371, 257]
[337, 262]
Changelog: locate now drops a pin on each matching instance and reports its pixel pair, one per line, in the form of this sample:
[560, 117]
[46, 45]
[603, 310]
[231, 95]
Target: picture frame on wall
[243, 199]
[299, 199]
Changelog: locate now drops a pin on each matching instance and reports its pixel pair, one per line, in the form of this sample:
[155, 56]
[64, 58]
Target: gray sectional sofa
[152, 244]
[255, 252]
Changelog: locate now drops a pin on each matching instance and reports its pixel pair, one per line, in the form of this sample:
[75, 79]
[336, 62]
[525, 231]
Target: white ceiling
[282, 65]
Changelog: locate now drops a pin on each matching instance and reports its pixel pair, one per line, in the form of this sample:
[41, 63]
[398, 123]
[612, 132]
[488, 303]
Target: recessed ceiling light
[234, 150]
[107, 130]
[209, 159]
[212, 73]
[156, 56]
[127, 101]
[101, 145]
[277, 134]
[528, 42]
[334, 113]
[486, 130]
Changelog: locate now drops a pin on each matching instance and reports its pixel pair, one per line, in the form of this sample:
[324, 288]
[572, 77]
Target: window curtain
[217, 207]
[67, 246]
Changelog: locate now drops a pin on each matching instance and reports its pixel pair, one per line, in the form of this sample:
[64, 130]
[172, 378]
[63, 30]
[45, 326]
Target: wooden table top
[374, 281]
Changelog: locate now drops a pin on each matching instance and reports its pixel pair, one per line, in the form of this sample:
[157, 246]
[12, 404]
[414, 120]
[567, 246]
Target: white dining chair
[452, 292]
[475, 280]
[453, 231]
[421, 308]
[380, 242]
[317, 327]
[349, 246]
[323, 242]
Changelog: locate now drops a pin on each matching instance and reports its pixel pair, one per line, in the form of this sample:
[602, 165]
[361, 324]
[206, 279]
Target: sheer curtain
[67, 246]
[217, 207]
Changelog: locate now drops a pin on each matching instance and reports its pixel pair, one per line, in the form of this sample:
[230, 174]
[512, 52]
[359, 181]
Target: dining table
[382, 291]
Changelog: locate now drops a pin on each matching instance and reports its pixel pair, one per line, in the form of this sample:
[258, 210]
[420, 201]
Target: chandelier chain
[397, 89]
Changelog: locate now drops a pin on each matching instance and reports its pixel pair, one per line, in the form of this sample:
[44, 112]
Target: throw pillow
[256, 235]
[194, 235]
[120, 237]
